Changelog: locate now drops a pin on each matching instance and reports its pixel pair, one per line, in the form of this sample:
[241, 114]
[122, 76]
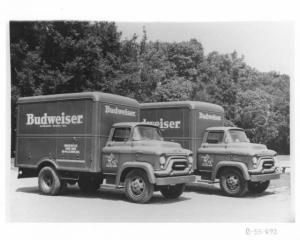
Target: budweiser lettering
[116, 110]
[164, 124]
[209, 116]
[61, 119]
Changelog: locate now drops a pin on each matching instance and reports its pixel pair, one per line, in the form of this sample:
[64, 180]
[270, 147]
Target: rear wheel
[49, 181]
[172, 192]
[233, 183]
[89, 184]
[137, 187]
[258, 187]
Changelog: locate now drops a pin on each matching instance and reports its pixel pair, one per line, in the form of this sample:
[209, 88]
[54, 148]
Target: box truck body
[69, 129]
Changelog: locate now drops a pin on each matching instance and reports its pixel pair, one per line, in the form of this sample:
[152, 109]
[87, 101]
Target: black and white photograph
[141, 118]
[151, 121]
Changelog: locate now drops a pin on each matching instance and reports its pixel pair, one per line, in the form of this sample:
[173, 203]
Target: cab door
[213, 150]
[117, 150]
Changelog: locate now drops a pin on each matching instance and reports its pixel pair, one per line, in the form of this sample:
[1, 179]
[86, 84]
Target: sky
[267, 46]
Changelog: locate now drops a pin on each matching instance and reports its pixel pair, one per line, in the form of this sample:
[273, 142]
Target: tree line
[66, 56]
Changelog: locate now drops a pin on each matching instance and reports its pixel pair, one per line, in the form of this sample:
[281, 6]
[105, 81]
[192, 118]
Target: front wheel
[137, 187]
[258, 187]
[172, 192]
[233, 183]
[49, 181]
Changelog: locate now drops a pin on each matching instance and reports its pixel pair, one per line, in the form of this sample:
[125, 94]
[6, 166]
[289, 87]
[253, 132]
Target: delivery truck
[222, 154]
[90, 137]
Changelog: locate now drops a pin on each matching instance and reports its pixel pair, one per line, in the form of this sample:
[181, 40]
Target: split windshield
[146, 133]
[238, 136]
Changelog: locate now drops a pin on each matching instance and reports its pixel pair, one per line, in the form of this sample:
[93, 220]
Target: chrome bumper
[264, 177]
[175, 180]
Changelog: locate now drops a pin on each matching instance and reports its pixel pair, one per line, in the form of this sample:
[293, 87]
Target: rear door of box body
[58, 130]
[109, 114]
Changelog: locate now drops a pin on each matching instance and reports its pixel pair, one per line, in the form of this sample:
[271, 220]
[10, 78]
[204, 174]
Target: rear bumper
[264, 177]
[175, 180]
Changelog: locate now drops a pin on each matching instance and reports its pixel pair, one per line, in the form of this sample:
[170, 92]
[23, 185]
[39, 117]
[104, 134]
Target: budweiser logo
[116, 110]
[46, 120]
[209, 116]
[164, 124]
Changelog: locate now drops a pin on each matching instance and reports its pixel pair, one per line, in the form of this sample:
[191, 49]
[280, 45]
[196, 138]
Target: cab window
[121, 134]
[215, 137]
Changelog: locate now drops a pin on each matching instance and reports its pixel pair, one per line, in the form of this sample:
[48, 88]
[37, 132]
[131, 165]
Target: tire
[258, 187]
[233, 183]
[138, 189]
[49, 181]
[89, 184]
[172, 192]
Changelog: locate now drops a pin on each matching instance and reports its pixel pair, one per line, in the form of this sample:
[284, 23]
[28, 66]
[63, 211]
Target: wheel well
[127, 170]
[44, 164]
[221, 169]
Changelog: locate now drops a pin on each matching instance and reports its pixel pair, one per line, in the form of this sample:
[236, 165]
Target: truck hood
[251, 149]
[244, 148]
[161, 147]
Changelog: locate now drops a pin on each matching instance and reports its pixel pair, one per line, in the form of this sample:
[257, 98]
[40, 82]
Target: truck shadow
[213, 190]
[104, 194]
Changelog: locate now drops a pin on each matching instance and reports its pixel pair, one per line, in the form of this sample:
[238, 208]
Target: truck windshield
[238, 136]
[146, 133]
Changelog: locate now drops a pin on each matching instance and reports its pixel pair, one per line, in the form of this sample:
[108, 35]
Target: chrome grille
[179, 165]
[268, 164]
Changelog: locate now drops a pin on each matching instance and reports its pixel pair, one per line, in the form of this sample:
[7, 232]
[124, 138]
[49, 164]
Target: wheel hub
[232, 182]
[137, 186]
[48, 180]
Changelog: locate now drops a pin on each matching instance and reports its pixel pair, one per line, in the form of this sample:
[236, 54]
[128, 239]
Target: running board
[110, 186]
[199, 180]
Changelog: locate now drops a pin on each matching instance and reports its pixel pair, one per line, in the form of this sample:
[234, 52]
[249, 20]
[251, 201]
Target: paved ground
[200, 203]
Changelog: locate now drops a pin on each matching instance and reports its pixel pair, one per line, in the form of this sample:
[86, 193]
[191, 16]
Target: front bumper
[175, 180]
[264, 177]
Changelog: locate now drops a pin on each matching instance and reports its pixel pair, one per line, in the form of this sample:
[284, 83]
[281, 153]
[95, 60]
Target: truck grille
[179, 166]
[268, 164]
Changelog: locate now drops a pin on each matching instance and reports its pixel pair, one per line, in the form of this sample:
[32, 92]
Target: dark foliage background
[64, 56]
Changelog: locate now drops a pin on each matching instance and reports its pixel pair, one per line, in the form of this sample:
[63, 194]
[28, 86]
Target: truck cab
[139, 158]
[227, 154]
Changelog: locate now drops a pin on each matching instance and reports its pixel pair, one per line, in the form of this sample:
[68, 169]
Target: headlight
[254, 161]
[190, 158]
[162, 161]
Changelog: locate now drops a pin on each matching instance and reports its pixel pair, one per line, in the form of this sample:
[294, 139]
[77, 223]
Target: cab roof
[189, 104]
[95, 96]
[221, 128]
[132, 124]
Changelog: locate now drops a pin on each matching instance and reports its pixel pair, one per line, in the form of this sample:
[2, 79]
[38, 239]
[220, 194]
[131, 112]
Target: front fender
[136, 165]
[241, 166]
